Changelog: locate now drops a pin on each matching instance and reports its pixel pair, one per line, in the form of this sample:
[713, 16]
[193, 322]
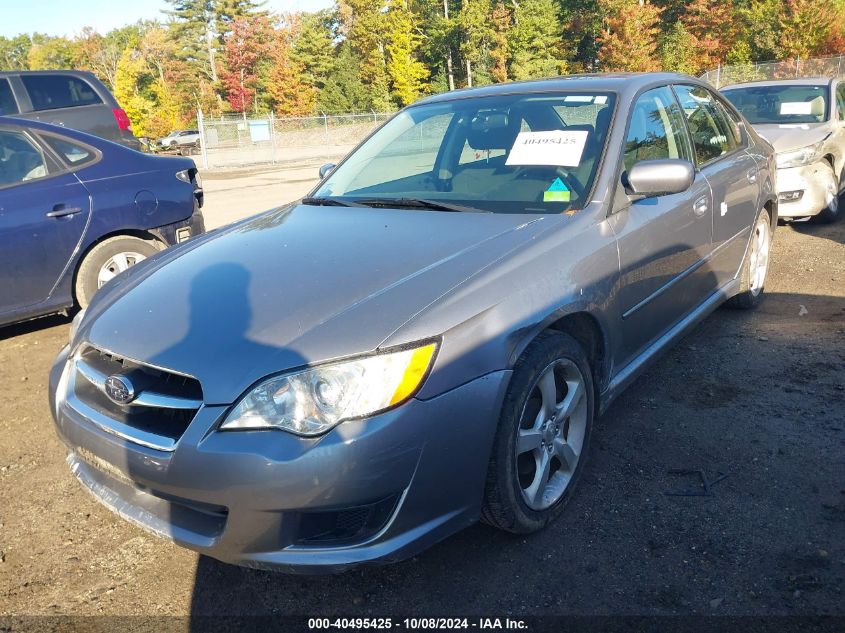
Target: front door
[664, 241]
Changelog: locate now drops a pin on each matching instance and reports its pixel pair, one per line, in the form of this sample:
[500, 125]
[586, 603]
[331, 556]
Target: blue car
[76, 210]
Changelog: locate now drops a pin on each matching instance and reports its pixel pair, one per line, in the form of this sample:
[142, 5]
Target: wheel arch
[147, 236]
[582, 325]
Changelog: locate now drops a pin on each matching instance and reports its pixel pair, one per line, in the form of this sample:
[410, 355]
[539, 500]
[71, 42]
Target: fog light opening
[791, 196]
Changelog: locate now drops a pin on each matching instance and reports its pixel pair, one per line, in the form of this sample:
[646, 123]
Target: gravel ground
[759, 397]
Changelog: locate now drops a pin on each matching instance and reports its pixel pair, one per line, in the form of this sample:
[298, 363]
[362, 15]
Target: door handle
[700, 206]
[751, 174]
[60, 211]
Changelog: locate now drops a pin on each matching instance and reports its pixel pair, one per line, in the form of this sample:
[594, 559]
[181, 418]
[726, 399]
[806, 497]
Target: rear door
[663, 241]
[44, 210]
[71, 101]
[720, 150]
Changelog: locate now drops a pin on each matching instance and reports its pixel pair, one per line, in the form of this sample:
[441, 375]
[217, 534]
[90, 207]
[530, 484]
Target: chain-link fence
[786, 69]
[235, 140]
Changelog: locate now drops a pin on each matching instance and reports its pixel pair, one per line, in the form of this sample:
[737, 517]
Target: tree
[51, 52]
[131, 90]
[678, 50]
[288, 92]
[362, 22]
[628, 41]
[192, 27]
[805, 26]
[502, 23]
[476, 38]
[249, 42]
[227, 12]
[343, 90]
[406, 72]
[313, 47]
[711, 25]
[536, 40]
[14, 52]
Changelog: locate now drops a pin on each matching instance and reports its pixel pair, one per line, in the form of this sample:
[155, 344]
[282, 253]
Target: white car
[180, 138]
[804, 119]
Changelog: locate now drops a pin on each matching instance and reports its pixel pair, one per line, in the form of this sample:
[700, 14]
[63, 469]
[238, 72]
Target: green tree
[678, 50]
[289, 92]
[14, 52]
[343, 90]
[192, 27]
[313, 47]
[536, 40]
[362, 22]
[804, 27]
[476, 39]
[51, 52]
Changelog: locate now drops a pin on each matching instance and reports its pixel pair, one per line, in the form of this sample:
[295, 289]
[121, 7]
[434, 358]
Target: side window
[73, 154]
[711, 129]
[656, 129]
[734, 133]
[7, 99]
[58, 91]
[21, 160]
[840, 101]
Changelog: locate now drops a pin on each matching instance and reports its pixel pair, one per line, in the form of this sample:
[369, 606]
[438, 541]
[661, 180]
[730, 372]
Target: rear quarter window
[48, 92]
[72, 154]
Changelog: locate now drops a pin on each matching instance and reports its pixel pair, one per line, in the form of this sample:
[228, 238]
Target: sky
[68, 17]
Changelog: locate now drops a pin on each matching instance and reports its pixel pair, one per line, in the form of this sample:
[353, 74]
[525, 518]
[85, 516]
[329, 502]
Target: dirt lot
[758, 396]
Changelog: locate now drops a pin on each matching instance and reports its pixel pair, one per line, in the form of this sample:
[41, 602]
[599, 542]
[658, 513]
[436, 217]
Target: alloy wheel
[551, 434]
[758, 262]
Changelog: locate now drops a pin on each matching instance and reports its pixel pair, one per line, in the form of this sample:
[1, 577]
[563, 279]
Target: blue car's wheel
[106, 260]
[543, 435]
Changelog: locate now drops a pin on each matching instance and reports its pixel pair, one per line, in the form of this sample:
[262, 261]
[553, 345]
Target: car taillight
[123, 121]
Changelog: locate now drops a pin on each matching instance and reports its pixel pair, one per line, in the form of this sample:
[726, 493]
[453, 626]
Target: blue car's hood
[295, 286]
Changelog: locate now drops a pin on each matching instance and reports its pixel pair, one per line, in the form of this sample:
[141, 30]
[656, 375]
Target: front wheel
[755, 267]
[106, 260]
[542, 438]
[833, 185]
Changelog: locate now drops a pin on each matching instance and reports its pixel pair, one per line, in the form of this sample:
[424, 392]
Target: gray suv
[72, 98]
[427, 338]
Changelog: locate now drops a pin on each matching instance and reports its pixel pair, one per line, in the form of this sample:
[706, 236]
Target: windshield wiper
[330, 202]
[419, 203]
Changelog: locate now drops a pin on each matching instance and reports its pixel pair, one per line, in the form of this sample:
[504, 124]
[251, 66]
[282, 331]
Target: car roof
[796, 81]
[77, 73]
[623, 83]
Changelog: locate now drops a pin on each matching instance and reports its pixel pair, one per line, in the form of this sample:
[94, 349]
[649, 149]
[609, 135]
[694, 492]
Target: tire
[107, 259]
[832, 211]
[512, 475]
[754, 269]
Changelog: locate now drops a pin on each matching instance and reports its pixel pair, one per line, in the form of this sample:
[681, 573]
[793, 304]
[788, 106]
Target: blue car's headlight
[313, 401]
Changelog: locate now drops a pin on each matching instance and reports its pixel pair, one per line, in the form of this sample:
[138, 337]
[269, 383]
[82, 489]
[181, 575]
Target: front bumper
[809, 179]
[245, 497]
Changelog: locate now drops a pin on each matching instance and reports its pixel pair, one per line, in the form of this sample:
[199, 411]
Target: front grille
[164, 404]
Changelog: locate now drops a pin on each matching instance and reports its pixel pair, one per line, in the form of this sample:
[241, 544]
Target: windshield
[536, 153]
[782, 104]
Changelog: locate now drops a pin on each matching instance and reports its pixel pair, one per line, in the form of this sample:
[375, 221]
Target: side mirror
[650, 178]
[326, 169]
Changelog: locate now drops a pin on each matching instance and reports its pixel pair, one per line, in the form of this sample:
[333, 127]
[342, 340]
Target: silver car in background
[804, 119]
[427, 338]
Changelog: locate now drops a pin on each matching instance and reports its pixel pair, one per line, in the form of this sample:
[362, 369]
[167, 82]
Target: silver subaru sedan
[426, 339]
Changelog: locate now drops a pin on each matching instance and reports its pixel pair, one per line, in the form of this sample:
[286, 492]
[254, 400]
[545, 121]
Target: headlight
[800, 157]
[314, 401]
[74, 325]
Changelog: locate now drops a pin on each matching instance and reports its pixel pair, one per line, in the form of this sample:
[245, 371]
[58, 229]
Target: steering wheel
[538, 172]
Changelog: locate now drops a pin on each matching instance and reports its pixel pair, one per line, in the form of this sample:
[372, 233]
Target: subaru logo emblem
[119, 389]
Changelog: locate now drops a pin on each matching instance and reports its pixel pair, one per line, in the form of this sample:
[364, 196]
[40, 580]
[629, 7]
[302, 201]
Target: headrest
[817, 107]
[492, 129]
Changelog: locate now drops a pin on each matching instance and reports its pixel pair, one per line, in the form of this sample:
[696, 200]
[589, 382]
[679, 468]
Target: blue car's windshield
[783, 104]
[530, 153]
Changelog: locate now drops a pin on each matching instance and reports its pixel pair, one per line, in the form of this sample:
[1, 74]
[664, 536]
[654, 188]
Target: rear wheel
[543, 435]
[106, 260]
[755, 268]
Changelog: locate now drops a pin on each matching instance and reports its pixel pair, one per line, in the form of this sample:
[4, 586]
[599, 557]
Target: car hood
[292, 287]
[789, 137]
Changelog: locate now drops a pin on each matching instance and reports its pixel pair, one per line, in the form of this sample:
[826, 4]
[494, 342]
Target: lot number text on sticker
[556, 147]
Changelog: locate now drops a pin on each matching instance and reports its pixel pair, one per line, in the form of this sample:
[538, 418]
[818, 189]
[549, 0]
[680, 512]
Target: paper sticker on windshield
[796, 107]
[557, 192]
[560, 148]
